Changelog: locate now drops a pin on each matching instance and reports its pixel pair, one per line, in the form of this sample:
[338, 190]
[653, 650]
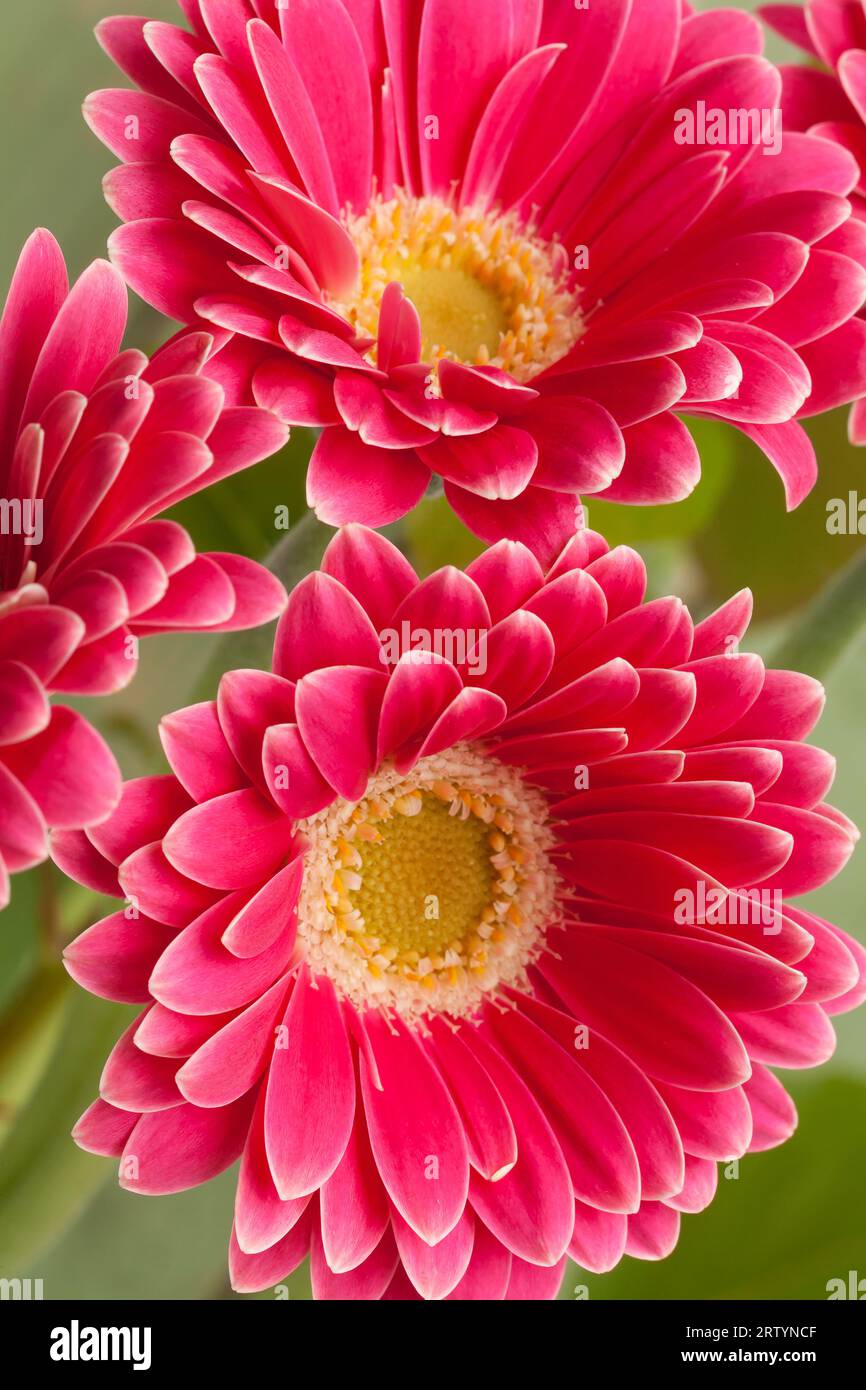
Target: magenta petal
[774, 1114]
[497, 464]
[414, 1130]
[531, 1208]
[234, 1058]
[653, 1232]
[233, 841]
[292, 778]
[435, 1270]
[595, 1143]
[267, 915]
[365, 1282]
[248, 703]
[490, 1137]
[323, 625]
[261, 1217]
[488, 1272]
[372, 569]
[74, 854]
[598, 1239]
[43, 638]
[22, 699]
[310, 1090]
[471, 715]
[138, 1081]
[338, 715]
[531, 1283]
[707, 1052]
[422, 686]
[23, 837]
[103, 1129]
[84, 337]
[172, 1150]
[542, 520]
[197, 975]
[348, 480]
[699, 1188]
[253, 1273]
[259, 596]
[115, 957]
[296, 392]
[68, 770]
[154, 886]
[354, 1209]
[147, 807]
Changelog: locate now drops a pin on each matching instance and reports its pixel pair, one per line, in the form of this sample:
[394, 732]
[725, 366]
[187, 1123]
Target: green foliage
[793, 1218]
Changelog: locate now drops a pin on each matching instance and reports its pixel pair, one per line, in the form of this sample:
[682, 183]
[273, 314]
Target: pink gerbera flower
[834, 32]
[478, 242]
[465, 927]
[93, 443]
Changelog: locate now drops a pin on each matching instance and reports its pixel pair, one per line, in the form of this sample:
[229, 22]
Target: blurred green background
[794, 1218]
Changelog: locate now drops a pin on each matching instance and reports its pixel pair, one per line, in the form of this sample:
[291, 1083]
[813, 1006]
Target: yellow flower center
[460, 317]
[432, 891]
[487, 290]
[425, 880]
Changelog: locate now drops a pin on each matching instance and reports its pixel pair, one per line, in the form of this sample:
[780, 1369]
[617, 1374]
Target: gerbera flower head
[486, 244]
[94, 442]
[466, 926]
[832, 105]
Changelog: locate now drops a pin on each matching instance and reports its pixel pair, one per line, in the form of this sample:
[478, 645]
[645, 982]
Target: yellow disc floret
[433, 891]
[425, 881]
[488, 291]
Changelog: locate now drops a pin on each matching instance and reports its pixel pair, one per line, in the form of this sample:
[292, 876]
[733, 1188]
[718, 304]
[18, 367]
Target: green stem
[829, 626]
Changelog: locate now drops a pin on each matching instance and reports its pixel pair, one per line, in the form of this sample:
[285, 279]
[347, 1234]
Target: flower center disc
[431, 892]
[459, 316]
[487, 290]
[426, 881]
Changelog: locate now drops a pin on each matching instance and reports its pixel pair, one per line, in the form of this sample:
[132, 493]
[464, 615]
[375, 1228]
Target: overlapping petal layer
[832, 107]
[507, 247]
[94, 443]
[577, 1105]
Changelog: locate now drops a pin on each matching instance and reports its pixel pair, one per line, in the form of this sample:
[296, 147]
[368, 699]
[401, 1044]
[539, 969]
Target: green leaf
[793, 1219]
[45, 1180]
[751, 540]
[127, 1246]
[28, 1033]
[820, 636]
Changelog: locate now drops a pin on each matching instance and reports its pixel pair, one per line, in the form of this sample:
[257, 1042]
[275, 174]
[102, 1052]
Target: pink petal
[338, 714]
[233, 841]
[324, 625]
[68, 770]
[413, 1124]
[172, 1150]
[372, 569]
[349, 481]
[310, 1091]
[354, 1209]
[234, 1058]
[197, 975]
[435, 1270]
[253, 1273]
[262, 1219]
[531, 1208]
[197, 750]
